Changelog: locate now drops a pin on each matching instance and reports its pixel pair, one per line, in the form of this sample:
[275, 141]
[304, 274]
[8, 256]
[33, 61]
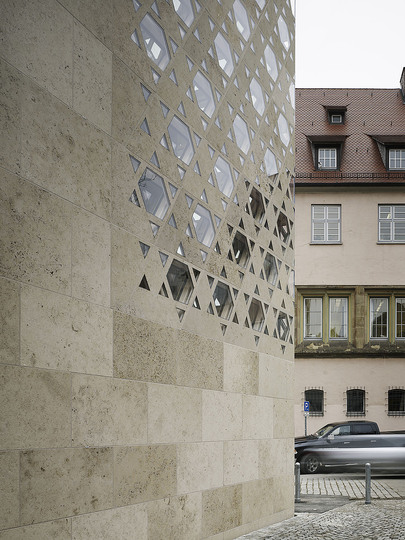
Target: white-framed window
[338, 318]
[327, 158]
[391, 223]
[336, 119]
[396, 159]
[379, 318]
[313, 318]
[326, 223]
[399, 318]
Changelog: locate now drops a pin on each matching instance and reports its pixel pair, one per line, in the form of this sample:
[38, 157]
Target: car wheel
[310, 464]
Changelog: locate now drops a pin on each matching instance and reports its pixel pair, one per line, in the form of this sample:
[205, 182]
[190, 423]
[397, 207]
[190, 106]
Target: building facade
[350, 303]
[146, 268]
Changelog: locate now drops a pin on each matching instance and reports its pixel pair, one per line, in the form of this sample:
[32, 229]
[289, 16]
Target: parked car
[351, 445]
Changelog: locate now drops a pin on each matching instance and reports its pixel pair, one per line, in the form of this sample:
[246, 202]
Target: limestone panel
[284, 488]
[275, 376]
[143, 350]
[37, 38]
[91, 257]
[283, 411]
[276, 457]
[52, 530]
[9, 322]
[258, 499]
[241, 461]
[177, 518]
[199, 361]
[124, 523]
[96, 16]
[35, 408]
[257, 417]
[222, 416]
[34, 235]
[241, 370]
[63, 333]
[222, 509]
[64, 482]
[144, 473]
[174, 414]
[108, 411]
[200, 466]
[92, 78]
[64, 153]
[10, 119]
[9, 489]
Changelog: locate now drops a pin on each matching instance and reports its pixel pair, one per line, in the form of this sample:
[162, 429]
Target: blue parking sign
[306, 406]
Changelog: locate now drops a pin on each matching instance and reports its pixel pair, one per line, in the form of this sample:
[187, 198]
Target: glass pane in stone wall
[257, 96]
[180, 282]
[224, 54]
[223, 300]
[270, 268]
[241, 133]
[203, 93]
[271, 62]
[184, 10]
[181, 140]
[241, 249]
[270, 163]
[284, 130]
[154, 193]
[256, 315]
[284, 33]
[155, 41]
[224, 176]
[203, 225]
[241, 18]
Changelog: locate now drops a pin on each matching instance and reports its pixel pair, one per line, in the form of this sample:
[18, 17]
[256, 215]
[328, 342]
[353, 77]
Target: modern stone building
[146, 268]
[350, 202]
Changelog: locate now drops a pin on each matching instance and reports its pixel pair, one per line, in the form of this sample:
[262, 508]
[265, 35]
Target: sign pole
[306, 414]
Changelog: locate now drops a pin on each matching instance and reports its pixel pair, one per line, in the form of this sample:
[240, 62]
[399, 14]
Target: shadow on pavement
[317, 504]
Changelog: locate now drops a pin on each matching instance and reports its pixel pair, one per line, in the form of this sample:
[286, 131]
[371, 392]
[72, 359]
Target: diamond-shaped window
[271, 62]
[283, 326]
[242, 19]
[256, 315]
[224, 54]
[203, 93]
[203, 225]
[270, 163]
[241, 250]
[256, 205]
[181, 140]
[292, 94]
[223, 300]
[284, 33]
[270, 268]
[283, 227]
[155, 41]
[224, 176]
[184, 10]
[257, 96]
[180, 282]
[241, 133]
[284, 130]
[154, 193]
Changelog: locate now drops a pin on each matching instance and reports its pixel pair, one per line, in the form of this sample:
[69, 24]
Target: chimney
[402, 83]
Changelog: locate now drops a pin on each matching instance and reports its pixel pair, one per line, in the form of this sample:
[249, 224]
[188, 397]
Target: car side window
[341, 430]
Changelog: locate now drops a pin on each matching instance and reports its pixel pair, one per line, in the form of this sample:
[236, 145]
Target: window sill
[326, 243]
[391, 243]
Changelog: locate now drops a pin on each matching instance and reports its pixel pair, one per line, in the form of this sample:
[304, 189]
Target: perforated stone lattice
[220, 172]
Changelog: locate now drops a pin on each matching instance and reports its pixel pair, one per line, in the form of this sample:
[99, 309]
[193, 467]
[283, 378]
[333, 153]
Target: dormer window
[336, 113]
[392, 151]
[336, 118]
[396, 159]
[327, 158]
[327, 151]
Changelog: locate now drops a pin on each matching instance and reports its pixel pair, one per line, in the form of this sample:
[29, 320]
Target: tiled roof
[371, 115]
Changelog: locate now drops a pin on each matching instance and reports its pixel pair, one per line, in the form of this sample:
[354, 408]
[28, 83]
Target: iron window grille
[396, 402]
[355, 402]
[315, 397]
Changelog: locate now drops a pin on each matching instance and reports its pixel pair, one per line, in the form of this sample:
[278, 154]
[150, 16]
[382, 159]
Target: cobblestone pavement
[383, 519]
[351, 487]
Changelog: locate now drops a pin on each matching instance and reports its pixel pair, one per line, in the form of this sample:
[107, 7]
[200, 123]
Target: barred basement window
[355, 402]
[396, 402]
[316, 400]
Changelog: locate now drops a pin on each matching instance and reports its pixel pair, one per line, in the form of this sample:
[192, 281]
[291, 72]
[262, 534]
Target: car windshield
[325, 429]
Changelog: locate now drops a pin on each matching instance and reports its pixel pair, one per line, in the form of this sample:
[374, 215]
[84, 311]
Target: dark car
[351, 445]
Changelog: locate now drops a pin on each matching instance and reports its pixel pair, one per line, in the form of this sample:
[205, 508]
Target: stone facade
[146, 341]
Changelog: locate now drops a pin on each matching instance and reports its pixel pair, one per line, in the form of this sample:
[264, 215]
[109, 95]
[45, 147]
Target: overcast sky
[349, 43]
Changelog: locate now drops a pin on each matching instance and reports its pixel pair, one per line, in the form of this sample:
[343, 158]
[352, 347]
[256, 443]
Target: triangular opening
[154, 160]
[196, 303]
[180, 313]
[145, 249]
[145, 126]
[163, 258]
[144, 283]
[163, 291]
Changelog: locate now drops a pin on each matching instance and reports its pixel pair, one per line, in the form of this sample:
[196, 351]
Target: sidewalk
[332, 508]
